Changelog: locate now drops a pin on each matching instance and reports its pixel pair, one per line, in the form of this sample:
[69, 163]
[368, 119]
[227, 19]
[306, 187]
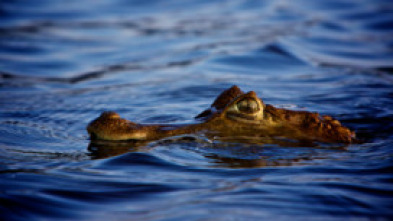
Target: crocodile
[233, 113]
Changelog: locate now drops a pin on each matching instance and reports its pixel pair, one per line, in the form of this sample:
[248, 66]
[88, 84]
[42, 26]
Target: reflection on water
[225, 152]
[63, 63]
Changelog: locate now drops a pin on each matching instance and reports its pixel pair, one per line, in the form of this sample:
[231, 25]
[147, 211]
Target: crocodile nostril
[110, 115]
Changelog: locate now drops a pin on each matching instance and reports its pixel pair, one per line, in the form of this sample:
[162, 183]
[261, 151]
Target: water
[64, 62]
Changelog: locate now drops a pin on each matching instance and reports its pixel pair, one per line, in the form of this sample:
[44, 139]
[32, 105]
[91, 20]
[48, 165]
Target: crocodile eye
[248, 106]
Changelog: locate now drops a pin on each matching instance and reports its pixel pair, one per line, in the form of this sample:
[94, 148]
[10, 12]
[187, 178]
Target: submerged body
[233, 113]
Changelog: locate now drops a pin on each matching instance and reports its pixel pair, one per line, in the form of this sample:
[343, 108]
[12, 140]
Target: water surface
[64, 62]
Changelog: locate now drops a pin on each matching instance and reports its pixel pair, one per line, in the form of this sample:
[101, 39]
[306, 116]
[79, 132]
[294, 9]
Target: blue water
[64, 62]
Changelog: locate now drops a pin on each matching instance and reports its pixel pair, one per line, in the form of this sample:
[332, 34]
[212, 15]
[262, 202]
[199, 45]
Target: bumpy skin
[232, 114]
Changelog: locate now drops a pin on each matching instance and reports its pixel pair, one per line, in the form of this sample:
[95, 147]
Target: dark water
[64, 62]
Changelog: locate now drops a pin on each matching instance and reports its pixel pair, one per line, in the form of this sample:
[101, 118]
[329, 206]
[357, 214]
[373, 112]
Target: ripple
[140, 160]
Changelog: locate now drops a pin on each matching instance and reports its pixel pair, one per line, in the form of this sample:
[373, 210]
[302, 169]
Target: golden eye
[248, 106]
